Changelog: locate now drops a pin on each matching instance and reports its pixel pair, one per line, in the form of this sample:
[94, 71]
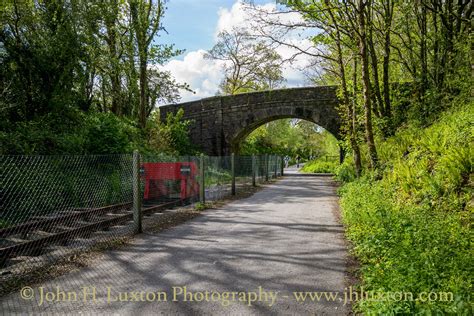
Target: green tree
[380, 43]
[249, 64]
[290, 137]
[146, 16]
[62, 62]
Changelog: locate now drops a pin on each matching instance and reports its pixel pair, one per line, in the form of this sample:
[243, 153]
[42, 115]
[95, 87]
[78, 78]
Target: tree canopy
[68, 66]
[249, 64]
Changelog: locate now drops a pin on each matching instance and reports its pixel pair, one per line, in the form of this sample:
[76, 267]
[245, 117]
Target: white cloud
[229, 19]
[204, 76]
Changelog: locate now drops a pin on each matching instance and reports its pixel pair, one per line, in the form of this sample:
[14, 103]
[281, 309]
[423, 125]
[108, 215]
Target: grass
[199, 206]
[410, 222]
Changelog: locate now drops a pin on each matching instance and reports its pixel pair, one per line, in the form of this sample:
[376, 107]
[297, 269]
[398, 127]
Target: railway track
[32, 238]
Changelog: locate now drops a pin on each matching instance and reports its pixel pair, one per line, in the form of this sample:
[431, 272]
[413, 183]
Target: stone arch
[243, 133]
[217, 123]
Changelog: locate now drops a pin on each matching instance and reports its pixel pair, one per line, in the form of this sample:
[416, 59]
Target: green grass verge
[410, 222]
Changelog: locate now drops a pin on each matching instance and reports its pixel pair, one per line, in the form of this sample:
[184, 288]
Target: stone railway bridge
[219, 124]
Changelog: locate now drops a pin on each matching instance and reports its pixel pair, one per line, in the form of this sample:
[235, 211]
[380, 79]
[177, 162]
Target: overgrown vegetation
[82, 78]
[321, 165]
[410, 220]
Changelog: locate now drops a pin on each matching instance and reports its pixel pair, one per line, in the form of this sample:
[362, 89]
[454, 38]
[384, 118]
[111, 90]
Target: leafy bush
[105, 133]
[170, 137]
[72, 132]
[76, 132]
[410, 223]
[345, 172]
[320, 165]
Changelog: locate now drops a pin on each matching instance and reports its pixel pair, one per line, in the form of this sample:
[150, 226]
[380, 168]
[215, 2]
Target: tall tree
[62, 61]
[146, 22]
[114, 41]
[388, 7]
[362, 14]
[377, 102]
[350, 108]
[423, 42]
[249, 64]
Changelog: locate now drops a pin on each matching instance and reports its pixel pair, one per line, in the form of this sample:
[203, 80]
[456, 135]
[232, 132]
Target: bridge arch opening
[289, 136]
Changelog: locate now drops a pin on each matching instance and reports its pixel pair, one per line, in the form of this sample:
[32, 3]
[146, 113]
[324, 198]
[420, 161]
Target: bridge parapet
[218, 124]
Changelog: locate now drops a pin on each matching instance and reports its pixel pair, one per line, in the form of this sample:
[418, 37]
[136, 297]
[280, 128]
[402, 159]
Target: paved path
[284, 238]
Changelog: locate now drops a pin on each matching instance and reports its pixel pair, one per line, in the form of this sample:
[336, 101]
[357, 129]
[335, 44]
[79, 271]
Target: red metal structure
[163, 179]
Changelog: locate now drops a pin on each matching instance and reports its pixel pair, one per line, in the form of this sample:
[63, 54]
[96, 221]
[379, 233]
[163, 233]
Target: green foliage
[76, 133]
[202, 206]
[345, 172]
[69, 77]
[321, 165]
[290, 137]
[410, 220]
[96, 133]
[216, 176]
[40, 58]
[177, 129]
[105, 133]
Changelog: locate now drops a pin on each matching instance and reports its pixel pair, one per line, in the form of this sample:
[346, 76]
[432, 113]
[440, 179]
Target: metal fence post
[275, 167]
[266, 167]
[137, 197]
[282, 166]
[202, 191]
[253, 171]
[232, 163]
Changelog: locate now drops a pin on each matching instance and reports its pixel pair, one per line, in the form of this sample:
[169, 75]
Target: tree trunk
[356, 149]
[142, 48]
[131, 107]
[436, 62]
[386, 76]
[423, 55]
[104, 97]
[378, 105]
[111, 39]
[386, 58]
[366, 84]
[348, 104]
[143, 93]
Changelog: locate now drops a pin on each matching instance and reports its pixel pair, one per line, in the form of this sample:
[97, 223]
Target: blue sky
[192, 25]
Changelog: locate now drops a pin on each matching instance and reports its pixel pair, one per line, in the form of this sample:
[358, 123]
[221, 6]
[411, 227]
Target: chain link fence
[53, 207]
